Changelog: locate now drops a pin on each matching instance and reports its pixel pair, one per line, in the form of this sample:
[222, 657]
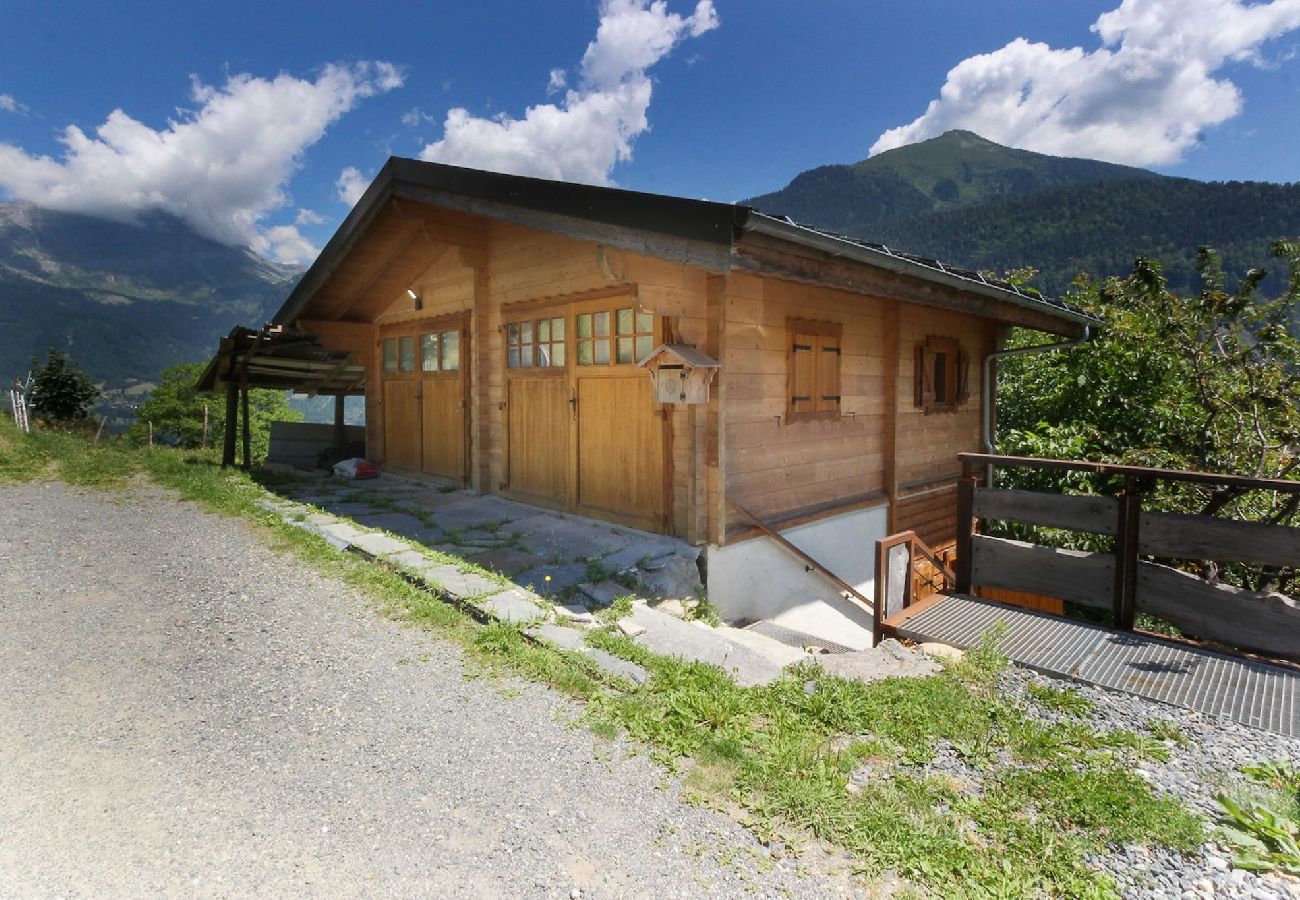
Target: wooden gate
[584, 432]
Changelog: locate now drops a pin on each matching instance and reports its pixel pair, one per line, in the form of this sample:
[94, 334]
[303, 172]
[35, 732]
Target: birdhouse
[680, 373]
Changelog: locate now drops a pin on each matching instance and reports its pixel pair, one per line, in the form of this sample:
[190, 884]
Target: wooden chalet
[500, 321]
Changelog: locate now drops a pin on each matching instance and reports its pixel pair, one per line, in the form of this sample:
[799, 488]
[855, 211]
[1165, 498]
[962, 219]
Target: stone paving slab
[604, 593]
[378, 544]
[461, 584]
[668, 636]
[401, 523]
[341, 530]
[551, 533]
[506, 560]
[408, 559]
[561, 577]
[512, 606]
[571, 639]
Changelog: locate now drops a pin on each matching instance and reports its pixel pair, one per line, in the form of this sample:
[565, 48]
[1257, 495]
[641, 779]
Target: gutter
[834, 246]
[986, 386]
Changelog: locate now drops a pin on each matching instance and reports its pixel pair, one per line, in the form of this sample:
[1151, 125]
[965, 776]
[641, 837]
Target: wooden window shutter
[803, 373]
[828, 374]
[963, 376]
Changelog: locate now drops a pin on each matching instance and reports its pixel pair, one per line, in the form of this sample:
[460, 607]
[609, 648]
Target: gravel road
[185, 712]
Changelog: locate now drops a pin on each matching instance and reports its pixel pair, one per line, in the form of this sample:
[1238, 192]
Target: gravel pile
[1204, 764]
[183, 711]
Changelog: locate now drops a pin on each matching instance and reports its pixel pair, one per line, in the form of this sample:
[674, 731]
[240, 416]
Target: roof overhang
[281, 359]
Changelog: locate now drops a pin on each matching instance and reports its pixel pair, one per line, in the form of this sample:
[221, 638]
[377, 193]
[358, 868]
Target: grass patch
[1261, 821]
[809, 754]
[1062, 700]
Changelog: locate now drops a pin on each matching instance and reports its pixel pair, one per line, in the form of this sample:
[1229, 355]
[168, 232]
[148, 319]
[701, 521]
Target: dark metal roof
[921, 266]
[720, 225]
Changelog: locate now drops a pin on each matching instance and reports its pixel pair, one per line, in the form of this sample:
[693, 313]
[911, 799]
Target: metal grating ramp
[1252, 693]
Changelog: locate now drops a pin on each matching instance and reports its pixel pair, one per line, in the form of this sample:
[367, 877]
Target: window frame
[956, 374]
[825, 394]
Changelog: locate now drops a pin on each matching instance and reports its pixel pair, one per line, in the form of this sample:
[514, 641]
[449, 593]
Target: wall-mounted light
[416, 297]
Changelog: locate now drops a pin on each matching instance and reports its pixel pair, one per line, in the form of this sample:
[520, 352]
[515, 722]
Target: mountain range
[124, 299]
[973, 203]
[127, 299]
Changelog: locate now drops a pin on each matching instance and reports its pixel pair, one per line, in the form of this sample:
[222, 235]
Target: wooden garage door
[443, 427]
[620, 450]
[584, 433]
[402, 424]
[538, 423]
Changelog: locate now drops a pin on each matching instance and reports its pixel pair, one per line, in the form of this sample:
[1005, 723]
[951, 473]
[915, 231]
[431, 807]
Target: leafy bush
[61, 392]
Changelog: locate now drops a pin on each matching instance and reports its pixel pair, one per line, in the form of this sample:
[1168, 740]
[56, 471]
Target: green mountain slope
[956, 170]
[124, 300]
[974, 203]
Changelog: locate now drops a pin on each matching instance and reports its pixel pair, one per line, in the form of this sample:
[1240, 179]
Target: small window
[429, 352]
[550, 342]
[406, 353]
[942, 369]
[814, 369]
[390, 355]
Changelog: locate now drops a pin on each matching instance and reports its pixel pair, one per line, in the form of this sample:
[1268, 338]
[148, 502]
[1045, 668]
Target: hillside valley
[124, 300]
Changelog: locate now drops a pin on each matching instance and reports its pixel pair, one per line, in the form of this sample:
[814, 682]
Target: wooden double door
[583, 431]
[424, 397]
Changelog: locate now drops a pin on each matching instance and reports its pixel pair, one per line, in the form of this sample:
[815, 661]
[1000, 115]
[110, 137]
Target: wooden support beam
[965, 529]
[340, 431]
[1126, 553]
[248, 428]
[232, 418]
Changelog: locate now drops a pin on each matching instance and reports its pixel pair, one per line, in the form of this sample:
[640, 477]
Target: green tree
[61, 393]
[176, 410]
[1206, 382]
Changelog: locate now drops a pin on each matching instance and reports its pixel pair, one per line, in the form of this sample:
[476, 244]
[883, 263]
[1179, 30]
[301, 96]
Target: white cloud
[593, 127]
[351, 185]
[416, 117]
[308, 217]
[221, 168]
[559, 81]
[284, 243]
[1144, 97]
[9, 104]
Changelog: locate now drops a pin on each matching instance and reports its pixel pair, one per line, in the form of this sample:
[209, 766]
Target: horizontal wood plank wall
[927, 445]
[932, 514]
[775, 467]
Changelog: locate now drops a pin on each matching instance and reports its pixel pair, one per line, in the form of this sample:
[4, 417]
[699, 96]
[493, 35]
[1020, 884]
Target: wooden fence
[1129, 579]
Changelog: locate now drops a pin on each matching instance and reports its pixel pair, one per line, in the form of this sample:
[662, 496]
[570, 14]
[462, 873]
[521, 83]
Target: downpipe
[986, 387]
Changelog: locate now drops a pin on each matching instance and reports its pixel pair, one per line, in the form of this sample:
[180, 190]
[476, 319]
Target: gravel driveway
[185, 712]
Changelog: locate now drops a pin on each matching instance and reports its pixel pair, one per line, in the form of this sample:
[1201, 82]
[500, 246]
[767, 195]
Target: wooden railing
[1128, 580]
[906, 571]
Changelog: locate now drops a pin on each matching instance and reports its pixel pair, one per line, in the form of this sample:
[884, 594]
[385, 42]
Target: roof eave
[837, 247]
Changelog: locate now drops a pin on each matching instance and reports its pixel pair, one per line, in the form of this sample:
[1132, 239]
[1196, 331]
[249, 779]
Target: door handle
[573, 403]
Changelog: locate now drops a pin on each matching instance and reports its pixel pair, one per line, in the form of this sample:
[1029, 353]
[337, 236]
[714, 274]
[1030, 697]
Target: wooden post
[232, 420]
[965, 528]
[151, 432]
[1126, 553]
[248, 428]
[100, 431]
[203, 441]
[340, 434]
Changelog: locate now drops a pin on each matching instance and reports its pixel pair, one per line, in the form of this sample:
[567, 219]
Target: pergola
[279, 358]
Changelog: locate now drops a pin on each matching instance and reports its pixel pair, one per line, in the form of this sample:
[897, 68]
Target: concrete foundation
[759, 579]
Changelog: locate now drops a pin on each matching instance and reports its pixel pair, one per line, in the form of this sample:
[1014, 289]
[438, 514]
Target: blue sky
[250, 120]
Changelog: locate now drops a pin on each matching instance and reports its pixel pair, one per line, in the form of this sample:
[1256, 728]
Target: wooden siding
[775, 467]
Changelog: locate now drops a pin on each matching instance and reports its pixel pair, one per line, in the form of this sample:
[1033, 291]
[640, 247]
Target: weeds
[1062, 700]
[1262, 822]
